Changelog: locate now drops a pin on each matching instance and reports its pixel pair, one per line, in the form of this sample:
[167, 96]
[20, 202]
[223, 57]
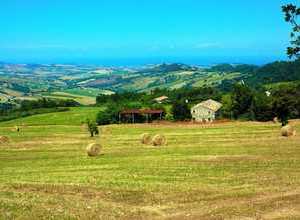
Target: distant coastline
[137, 62]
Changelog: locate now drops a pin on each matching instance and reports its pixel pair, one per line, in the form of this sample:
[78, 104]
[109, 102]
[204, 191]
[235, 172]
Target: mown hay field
[232, 170]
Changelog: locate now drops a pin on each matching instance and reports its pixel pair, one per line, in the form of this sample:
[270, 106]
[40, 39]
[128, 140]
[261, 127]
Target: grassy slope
[75, 116]
[84, 100]
[213, 171]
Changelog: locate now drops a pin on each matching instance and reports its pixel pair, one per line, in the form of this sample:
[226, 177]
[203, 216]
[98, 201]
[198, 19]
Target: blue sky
[75, 30]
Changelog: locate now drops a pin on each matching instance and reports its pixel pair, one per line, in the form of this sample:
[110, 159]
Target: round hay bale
[3, 139]
[93, 149]
[146, 138]
[288, 131]
[159, 140]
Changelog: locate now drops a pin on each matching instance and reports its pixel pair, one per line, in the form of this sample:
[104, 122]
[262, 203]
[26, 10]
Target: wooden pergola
[134, 112]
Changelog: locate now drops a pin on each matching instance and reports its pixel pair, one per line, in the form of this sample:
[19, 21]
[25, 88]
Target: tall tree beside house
[262, 107]
[242, 101]
[291, 13]
[181, 111]
[227, 106]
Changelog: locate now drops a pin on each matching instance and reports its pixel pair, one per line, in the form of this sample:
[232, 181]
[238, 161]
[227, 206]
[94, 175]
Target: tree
[227, 106]
[92, 127]
[262, 107]
[242, 100]
[181, 111]
[291, 13]
[286, 103]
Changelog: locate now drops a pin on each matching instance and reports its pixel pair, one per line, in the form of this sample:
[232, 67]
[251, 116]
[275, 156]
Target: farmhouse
[161, 99]
[205, 111]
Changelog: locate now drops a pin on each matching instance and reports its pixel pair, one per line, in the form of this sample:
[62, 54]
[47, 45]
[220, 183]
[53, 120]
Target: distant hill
[276, 72]
[37, 80]
[164, 68]
[242, 68]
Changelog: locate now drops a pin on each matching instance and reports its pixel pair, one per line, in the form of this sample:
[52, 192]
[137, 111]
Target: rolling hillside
[84, 83]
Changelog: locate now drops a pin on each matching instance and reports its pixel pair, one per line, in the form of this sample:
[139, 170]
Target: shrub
[92, 127]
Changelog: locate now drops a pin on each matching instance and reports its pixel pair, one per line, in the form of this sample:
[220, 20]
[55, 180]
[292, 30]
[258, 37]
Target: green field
[234, 170]
[83, 100]
[76, 116]
[91, 92]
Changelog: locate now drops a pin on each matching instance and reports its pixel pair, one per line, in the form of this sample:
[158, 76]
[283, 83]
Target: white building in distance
[205, 111]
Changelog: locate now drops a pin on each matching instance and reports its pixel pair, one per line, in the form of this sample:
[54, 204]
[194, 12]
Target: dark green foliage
[110, 115]
[47, 103]
[222, 68]
[226, 110]
[291, 13]
[245, 68]
[4, 107]
[195, 95]
[228, 68]
[246, 103]
[262, 107]
[242, 98]
[164, 68]
[287, 103]
[92, 127]
[20, 88]
[276, 72]
[256, 76]
[181, 111]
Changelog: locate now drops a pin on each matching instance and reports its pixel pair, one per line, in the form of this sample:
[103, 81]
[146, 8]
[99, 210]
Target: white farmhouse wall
[201, 114]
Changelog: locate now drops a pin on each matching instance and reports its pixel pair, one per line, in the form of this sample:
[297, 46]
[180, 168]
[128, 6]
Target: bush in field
[92, 127]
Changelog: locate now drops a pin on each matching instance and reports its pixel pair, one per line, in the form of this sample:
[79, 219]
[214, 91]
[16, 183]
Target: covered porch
[140, 115]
